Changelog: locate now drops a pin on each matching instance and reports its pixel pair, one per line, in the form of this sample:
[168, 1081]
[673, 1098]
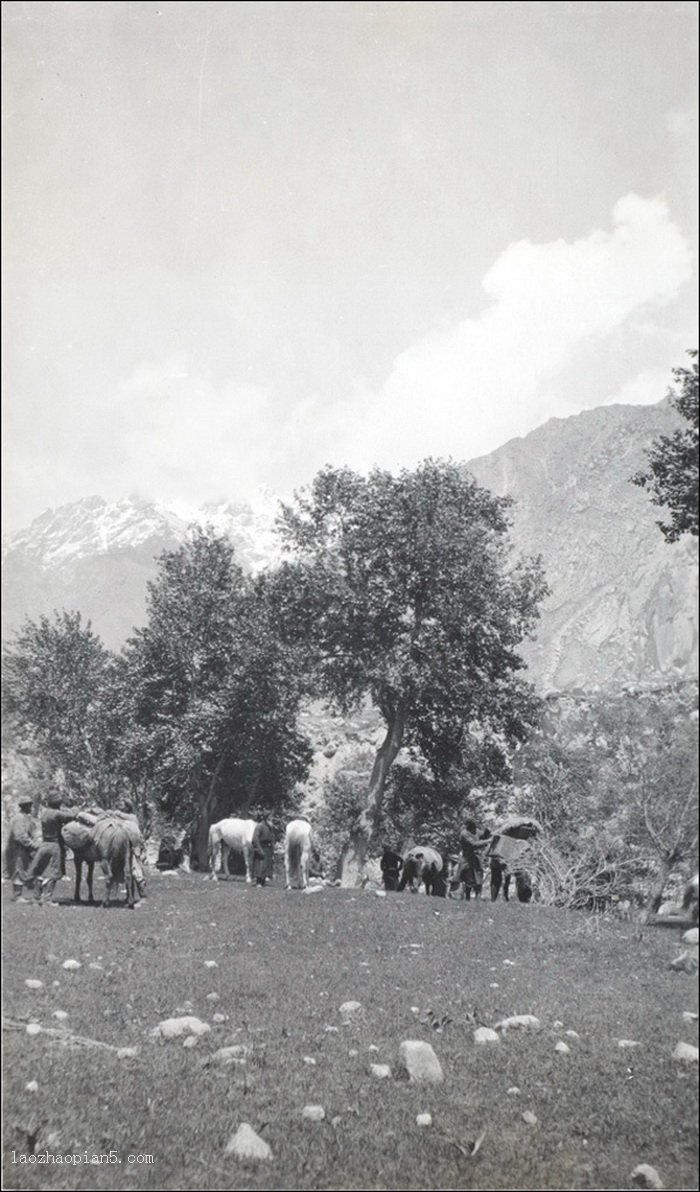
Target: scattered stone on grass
[685, 963]
[420, 1061]
[309, 1059]
[33, 1028]
[171, 1028]
[212, 997]
[353, 1052]
[210, 964]
[191, 1041]
[61, 1015]
[331, 1030]
[33, 983]
[314, 1113]
[509, 963]
[525, 1022]
[685, 1053]
[646, 1176]
[219, 1018]
[71, 965]
[96, 967]
[424, 1119]
[32, 1086]
[573, 1035]
[373, 1047]
[689, 1016]
[562, 1048]
[246, 1144]
[690, 936]
[530, 1118]
[349, 1010]
[380, 893]
[381, 1071]
[235, 1053]
[494, 985]
[127, 1053]
[484, 1034]
[558, 1026]
[513, 1091]
[627, 1044]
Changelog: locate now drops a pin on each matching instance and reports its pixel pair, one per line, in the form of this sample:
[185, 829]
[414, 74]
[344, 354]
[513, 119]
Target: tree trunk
[657, 890]
[354, 854]
[204, 816]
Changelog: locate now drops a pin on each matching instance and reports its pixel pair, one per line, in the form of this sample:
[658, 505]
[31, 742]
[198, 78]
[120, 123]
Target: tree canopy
[213, 693]
[672, 478]
[406, 591]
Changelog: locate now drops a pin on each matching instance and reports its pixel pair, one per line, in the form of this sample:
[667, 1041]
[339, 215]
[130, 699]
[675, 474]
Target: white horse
[297, 852]
[236, 834]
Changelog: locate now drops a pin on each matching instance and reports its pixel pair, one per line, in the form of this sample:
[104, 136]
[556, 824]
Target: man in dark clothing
[22, 845]
[390, 865]
[263, 844]
[49, 862]
[472, 844]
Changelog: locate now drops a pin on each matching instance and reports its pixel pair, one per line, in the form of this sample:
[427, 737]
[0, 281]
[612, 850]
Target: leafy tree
[672, 478]
[405, 591]
[60, 697]
[214, 694]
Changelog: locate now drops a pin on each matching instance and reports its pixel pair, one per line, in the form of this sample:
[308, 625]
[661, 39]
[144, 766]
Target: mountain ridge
[622, 606]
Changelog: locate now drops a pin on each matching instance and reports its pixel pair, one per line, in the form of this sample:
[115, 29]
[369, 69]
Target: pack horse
[297, 853]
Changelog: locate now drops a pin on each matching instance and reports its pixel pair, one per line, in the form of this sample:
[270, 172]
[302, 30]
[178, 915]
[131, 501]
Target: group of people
[36, 854]
[466, 870]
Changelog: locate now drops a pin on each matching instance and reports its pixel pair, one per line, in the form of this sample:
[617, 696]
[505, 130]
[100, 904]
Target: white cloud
[461, 393]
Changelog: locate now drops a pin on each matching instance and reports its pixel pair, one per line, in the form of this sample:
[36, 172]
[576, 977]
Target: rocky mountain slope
[623, 602]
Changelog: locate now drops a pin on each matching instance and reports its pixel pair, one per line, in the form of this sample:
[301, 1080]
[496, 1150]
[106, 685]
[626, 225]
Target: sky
[242, 241]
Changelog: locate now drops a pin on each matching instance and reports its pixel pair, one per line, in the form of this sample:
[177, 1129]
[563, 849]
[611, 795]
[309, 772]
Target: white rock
[33, 983]
[127, 1053]
[373, 1047]
[353, 1052]
[210, 964]
[627, 1044]
[381, 1071]
[558, 1026]
[509, 963]
[380, 893]
[484, 1034]
[71, 964]
[415, 1009]
[349, 1010]
[171, 1028]
[689, 1016]
[191, 1041]
[212, 997]
[246, 1144]
[218, 1018]
[97, 967]
[530, 1118]
[690, 936]
[234, 1054]
[646, 1176]
[420, 1061]
[562, 1048]
[61, 1015]
[32, 1086]
[331, 1030]
[424, 1119]
[314, 1113]
[685, 963]
[524, 1022]
[686, 1053]
[309, 1059]
[33, 1028]
[573, 1035]
[513, 1091]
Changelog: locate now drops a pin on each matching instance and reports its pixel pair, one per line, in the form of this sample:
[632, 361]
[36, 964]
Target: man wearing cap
[22, 845]
[263, 844]
[49, 860]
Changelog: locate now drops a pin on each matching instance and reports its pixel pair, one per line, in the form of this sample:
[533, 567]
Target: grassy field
[422, 968]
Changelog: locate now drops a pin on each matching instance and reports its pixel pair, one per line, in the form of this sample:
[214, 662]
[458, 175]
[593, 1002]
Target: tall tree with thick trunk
[405, 590]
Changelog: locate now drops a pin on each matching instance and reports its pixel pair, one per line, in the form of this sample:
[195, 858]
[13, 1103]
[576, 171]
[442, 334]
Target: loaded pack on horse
[114, 839]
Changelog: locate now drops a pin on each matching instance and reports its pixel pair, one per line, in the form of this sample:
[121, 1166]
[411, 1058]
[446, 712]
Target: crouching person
[391, 864]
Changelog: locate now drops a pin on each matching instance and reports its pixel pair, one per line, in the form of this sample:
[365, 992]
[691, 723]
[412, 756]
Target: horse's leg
[496, 881]
[304, 867]
[287, 869]
[90, 868]
[78, 878]
[248, 858]
[506, 886]
[129, 878]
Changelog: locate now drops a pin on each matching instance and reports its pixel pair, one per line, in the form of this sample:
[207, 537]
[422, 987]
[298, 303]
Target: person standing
[390, 866]
[22, 845]
[49, 863]
[263, 849]
[472, 844]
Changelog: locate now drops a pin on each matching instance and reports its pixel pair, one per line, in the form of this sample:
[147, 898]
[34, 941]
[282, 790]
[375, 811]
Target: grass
[285, 963]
